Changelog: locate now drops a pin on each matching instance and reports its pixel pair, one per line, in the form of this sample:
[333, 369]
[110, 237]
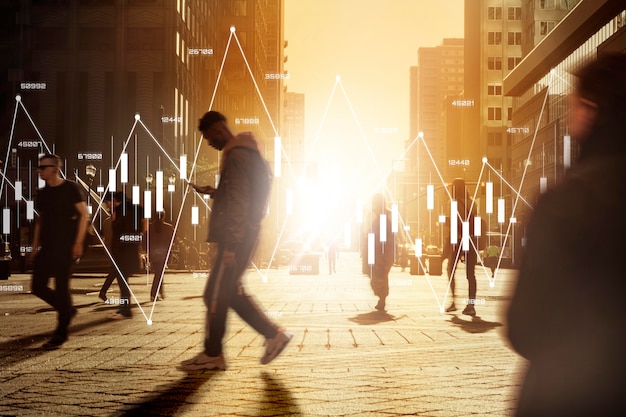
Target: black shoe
[103, 297]
[469, 310]
[55, 342]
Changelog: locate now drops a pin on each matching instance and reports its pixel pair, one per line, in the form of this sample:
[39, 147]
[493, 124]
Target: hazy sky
[371, 44]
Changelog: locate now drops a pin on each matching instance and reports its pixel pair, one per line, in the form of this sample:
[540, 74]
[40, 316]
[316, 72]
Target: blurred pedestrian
[380, 242]
[332, 256]
[159, 243]
[454, 252]
[239, 205]
[493, 253]
[567, 314]
[128, 225]
[58, 241]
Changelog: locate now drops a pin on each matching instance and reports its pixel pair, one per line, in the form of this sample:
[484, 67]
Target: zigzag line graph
[377, 182]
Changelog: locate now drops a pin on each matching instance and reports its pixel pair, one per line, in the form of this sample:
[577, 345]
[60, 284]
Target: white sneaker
[203, 362]
[275, 345]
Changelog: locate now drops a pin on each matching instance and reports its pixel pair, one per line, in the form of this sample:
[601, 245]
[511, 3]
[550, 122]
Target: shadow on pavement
[277, 399]
[373, 317]
[17, 350]
[172, 400]
[50, 309]
[475, 324]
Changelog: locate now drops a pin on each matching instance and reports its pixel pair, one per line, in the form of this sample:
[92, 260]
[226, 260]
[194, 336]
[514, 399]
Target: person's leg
[157, 280]
[40, 278]
[470, 265]
[107, 284]
[249, 311]
[453, 260]
[122, 281]
[63, 298]
[217, 299]
[217, 296]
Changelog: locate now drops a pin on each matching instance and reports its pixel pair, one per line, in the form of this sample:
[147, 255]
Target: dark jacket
[127, 236]
[240, 201]
[567, 315]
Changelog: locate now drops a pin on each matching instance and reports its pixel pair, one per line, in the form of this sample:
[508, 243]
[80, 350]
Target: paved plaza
[346, 359]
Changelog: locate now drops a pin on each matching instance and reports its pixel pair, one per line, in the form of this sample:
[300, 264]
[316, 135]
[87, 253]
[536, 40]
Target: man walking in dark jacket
[567, 314]
[239, 205]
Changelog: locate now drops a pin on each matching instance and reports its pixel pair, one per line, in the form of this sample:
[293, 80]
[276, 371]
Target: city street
[346, 359]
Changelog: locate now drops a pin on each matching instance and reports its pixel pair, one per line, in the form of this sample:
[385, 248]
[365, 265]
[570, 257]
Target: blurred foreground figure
[239, 205]
[567, 315]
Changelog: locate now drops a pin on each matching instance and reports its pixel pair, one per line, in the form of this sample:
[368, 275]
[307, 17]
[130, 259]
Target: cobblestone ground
[346, 359]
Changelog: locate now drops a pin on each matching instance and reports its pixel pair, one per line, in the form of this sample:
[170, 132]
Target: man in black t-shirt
[58, 241]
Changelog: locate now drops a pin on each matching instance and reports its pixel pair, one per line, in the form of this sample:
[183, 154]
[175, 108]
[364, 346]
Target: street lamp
[147, 197]
[90, 171]
[149, 180]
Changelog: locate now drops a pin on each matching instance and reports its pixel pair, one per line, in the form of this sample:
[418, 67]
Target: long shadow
[373, 317]
[475, 325]
[17, 350]
[277, 399]
[171, 401]
[191, 297]
[50, 309]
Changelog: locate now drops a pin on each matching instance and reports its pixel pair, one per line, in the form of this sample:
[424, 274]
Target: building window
[494, 38]
[240, 8]
[513, 61]
[546, 27]
[494, 63]
[509, 114]
[547, 4]
[514, 38]
[144, 39]
[494, 113]
[568, 4]
[515, 13]
[494, 138]
[96, 39]
[494, 13]
[494, 89]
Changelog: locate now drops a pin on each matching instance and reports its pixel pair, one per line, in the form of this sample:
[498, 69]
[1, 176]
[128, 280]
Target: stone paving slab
[345, 359]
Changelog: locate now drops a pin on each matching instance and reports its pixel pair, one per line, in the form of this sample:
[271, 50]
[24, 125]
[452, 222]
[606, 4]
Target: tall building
[439, 74]
[84, 69]
[542, 148]
[493, 46]
[539, 18]
[293, 127]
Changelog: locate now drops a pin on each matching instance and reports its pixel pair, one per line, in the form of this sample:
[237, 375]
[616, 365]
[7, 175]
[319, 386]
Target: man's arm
[35, 247]
[203, 189]
[81, 230]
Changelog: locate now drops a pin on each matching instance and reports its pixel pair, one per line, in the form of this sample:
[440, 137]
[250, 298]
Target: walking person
[567, 313]
[382, 250]
[493, 253]
[454, 251]
[239, 205]
[332, 256]
[58, 242]
[127, 225]
[159, 238]
[107, 234]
